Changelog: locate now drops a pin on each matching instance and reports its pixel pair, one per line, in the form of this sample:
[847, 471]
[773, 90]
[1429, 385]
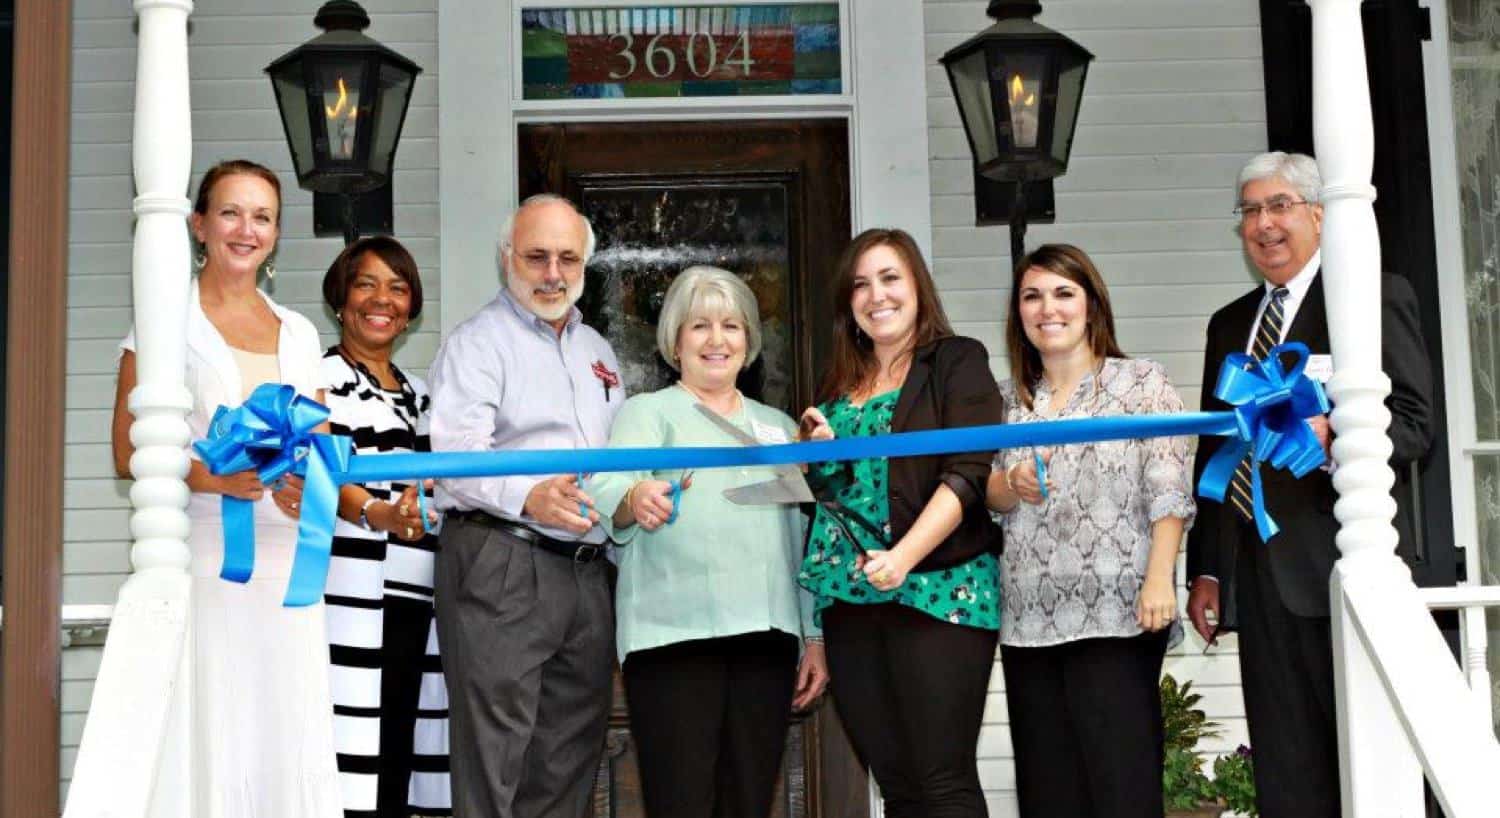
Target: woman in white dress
[262, 724]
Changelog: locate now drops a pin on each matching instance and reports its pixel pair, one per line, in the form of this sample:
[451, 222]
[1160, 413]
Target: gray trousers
[528, 641]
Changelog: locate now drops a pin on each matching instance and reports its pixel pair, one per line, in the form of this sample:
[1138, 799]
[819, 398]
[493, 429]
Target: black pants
[1286, 667]
[404, 659]
[709, 718]
[910, 690]
[1085, 721]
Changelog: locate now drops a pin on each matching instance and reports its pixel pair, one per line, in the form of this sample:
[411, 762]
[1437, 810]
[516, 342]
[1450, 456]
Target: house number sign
[681, 51]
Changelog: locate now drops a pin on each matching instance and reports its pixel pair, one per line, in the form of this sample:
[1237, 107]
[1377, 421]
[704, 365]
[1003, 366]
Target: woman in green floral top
[904, 570]
[966, 594]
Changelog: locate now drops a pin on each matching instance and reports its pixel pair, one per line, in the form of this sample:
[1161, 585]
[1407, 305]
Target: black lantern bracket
[1019, 86]
[343, 99]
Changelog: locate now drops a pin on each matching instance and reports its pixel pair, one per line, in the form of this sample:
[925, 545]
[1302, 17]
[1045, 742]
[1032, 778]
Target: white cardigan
[214, 381]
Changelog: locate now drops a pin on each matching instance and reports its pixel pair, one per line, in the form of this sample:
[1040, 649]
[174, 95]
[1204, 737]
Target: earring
[339, 317]
[270, 268]
[200, 260]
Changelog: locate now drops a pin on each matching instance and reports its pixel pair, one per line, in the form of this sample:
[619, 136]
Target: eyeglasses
[540, 261]
[1276, 207]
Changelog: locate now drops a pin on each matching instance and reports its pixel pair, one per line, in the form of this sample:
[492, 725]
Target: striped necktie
[1267, 335]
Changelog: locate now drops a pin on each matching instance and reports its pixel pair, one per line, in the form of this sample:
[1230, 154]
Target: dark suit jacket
[1303, 553]
[949, 385]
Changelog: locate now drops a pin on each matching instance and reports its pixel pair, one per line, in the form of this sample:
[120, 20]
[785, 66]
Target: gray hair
[702, 289]
[1296, 169]
[508, 227]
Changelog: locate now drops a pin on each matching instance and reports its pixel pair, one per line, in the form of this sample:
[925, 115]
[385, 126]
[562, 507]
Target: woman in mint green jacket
[715, 639]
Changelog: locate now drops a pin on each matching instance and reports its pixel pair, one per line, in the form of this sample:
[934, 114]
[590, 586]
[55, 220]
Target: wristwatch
[364, 519]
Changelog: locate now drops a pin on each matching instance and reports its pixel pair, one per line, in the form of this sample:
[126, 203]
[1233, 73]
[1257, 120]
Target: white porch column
[134, 758]
[1381, 774]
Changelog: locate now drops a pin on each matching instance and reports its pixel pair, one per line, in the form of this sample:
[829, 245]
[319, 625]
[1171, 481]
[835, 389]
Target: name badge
[768, 434]
[1319, 368]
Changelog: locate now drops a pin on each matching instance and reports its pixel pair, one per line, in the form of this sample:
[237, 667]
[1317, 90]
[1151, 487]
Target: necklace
[736, 403]
[408, 394]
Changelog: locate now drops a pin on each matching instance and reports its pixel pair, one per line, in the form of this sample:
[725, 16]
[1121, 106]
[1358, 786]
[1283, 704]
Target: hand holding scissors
[654, 503]
[1028, 478]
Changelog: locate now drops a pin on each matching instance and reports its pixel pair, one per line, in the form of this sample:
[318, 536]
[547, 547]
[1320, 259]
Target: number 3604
[700, 52]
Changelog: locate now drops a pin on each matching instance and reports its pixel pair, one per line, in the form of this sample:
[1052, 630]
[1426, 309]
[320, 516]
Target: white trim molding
[479, 97]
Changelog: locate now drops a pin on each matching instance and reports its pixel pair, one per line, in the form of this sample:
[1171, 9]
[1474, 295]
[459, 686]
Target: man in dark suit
[1276, 594]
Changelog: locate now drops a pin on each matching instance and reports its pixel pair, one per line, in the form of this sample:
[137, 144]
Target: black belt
[575, 551]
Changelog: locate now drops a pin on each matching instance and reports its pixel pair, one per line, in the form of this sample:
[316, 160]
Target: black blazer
[949, 385]
[1303, 553]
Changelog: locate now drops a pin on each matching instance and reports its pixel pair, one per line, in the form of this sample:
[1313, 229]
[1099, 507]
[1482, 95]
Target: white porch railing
[1474, 638]
[1403, 707]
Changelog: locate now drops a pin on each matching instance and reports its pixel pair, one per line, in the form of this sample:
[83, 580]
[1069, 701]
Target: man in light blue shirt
[524, 614]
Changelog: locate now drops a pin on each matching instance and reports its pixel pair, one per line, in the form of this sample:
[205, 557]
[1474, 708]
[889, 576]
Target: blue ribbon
[272, 434]
[1271, 405]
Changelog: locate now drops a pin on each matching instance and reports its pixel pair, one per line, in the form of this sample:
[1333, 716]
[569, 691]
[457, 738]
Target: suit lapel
[1310, 326]
[916, 381]
[1241, 319]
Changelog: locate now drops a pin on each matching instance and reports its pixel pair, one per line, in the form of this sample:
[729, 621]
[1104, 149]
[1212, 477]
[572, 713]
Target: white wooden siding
[234, 115]
[1173, 107]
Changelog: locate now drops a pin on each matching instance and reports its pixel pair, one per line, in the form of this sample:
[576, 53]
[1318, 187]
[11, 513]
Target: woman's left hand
[408, 523]
[288, 498]
[885, 570]
[812, 676]
[1157, 606]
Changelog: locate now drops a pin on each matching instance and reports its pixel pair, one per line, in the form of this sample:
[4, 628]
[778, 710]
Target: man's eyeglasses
[1279, 206]
[539, 261]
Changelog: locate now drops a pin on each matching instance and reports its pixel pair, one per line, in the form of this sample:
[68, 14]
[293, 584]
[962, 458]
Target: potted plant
[1234, 781]
[1186, 789]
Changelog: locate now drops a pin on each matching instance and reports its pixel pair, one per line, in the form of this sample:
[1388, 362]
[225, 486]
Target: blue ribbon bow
[272, 433]
[1271, 405]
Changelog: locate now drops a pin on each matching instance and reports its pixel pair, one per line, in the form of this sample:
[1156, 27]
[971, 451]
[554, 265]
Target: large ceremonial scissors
[792, 486]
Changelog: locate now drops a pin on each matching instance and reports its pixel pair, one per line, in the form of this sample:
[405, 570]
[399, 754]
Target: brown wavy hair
[1074, 265]
[852, 360]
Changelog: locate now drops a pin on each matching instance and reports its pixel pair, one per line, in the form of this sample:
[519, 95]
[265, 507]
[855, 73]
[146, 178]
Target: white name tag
[768, 434]
[1319, 368]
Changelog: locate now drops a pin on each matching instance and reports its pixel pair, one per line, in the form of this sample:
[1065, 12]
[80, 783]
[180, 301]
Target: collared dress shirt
[505, 379]
[1296, 292]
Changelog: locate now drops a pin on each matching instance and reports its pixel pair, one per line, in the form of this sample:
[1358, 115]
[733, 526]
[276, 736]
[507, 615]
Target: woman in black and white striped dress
[390, 705]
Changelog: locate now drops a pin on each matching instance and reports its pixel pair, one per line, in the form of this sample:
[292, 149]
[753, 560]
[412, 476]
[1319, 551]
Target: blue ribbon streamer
[272, 434]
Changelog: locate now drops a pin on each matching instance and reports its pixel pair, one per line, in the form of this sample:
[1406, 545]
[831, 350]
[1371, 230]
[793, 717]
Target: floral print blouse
[965, 594]
[1073, 566]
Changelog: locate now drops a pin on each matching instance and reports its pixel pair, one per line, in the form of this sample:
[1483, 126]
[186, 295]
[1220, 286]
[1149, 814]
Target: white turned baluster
[1380, 773]
[1475, 641]
[135, 755]
[1374, 600]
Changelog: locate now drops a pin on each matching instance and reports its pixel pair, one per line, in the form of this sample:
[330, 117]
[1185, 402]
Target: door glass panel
[1474, 31]
[648, 233]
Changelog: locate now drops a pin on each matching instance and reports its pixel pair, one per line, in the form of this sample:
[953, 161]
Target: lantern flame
[1017, 89]
[343, 99]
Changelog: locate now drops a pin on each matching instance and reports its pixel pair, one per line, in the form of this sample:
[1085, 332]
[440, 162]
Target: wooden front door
[768, 200]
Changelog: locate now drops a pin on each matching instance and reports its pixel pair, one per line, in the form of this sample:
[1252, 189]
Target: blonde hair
[705, 290]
